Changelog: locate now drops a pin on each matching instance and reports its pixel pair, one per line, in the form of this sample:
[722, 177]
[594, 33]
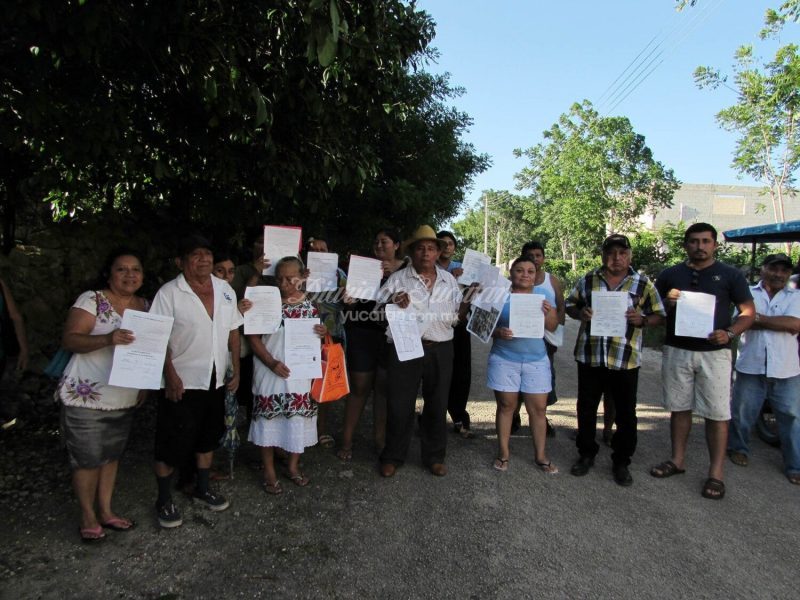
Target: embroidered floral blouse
[85, 379]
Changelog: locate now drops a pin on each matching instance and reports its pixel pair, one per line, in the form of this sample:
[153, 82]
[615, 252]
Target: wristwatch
[730, 333]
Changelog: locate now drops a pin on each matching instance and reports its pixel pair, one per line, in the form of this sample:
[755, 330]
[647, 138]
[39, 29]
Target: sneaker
[212, 501]
[168, 515]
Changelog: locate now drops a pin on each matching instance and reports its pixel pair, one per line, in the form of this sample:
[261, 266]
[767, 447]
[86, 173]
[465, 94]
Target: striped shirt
[619, 353]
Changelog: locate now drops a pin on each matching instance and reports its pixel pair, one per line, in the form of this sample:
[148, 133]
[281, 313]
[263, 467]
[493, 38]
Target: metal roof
[772, 233]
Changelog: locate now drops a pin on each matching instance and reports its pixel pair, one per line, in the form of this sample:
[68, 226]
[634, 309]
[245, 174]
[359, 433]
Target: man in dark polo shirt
[696, 371]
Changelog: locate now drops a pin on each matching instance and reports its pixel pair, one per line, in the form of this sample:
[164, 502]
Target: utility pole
[485, 223]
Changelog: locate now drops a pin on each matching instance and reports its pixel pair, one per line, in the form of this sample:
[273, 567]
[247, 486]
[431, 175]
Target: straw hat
[422, 233]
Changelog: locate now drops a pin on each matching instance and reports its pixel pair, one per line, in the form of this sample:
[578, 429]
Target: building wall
[724, 206]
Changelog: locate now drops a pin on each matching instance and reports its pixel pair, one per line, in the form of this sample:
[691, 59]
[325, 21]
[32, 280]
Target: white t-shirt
[85, 379]
[437, 308]
[198, 344]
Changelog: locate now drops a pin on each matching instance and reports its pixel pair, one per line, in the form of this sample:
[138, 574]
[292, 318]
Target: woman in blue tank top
[519, 367]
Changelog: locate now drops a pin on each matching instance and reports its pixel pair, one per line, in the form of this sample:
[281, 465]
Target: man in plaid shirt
[611, 364]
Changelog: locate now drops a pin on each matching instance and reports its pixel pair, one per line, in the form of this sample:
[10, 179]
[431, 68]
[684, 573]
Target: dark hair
[105, 270]
[222, 256]
[444, 233]
[391, 233]
[519, 259]
[311, 240]
[698, 228]
[191, 243]
[531, 246]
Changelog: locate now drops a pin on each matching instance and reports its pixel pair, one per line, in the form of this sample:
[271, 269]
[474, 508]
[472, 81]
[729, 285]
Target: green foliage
[510, 219]
[590, 175]
[765, 117]
[227, 114]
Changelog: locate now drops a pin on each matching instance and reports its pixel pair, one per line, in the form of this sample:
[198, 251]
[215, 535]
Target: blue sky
[524, 62]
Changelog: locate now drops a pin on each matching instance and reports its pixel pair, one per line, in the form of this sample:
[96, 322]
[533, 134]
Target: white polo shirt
[197, 343]
[771, 353]
[437, 308]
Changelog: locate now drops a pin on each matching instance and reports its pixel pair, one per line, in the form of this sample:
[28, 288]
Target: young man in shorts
[696, 371]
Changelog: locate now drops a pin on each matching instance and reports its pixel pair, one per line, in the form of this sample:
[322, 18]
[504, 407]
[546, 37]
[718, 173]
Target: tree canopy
[228, 114]
[766, 114]
[593, 175]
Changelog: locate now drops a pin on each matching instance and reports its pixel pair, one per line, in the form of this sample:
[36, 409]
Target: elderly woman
[96, 417]
[365, 347]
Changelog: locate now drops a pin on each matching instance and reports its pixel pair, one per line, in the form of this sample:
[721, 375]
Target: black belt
[429, 343]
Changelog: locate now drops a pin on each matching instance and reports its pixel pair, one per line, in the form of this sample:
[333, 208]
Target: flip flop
[345, 454]
[118, 524]
[500, 464]
[299, 479]
[326, 441]
[713, 489]
[274, 489]
[91, 535]
[666, 469]
[547, 467]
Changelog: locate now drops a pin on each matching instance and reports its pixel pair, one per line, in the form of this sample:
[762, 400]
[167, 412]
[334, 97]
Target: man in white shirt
[434, 295]
[768, 367]
[191, 407]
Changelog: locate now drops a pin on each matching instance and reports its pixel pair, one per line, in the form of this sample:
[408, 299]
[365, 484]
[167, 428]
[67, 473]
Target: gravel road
[475, 533]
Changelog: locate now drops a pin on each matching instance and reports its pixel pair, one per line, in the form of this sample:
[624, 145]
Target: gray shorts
[697, 381]
[94, 437]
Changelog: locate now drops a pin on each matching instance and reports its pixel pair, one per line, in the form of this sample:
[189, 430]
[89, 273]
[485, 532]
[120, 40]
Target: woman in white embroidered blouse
[96, 417]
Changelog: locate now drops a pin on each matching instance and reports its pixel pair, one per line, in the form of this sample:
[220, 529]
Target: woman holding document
[284, 414]
[518, 366]
[96, 417]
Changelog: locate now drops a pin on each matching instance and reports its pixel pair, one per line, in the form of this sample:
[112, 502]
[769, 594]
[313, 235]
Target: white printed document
[472, 266]
[364, 278]
[493, 292]
[608, 314]
[323, 270]
[525, 317]
[302, 349]
[265, 315]
[694, 314]
[140, 364]
[405, 332]
[280, 241]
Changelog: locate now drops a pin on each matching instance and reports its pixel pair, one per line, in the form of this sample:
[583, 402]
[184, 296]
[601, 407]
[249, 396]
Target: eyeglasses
[695, 279]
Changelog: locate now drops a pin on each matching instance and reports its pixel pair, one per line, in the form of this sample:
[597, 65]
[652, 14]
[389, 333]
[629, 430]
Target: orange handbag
[334, 384]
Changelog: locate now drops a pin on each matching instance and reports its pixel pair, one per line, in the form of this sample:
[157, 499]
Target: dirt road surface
[475, 533]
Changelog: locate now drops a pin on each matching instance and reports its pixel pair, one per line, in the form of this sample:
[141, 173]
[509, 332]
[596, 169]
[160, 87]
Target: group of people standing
[205, 361]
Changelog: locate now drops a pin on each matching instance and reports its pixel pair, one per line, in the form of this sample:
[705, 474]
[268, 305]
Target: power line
[693, 25]
[639, 69]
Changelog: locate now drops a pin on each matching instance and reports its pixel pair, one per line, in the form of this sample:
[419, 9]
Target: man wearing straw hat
[434, 295]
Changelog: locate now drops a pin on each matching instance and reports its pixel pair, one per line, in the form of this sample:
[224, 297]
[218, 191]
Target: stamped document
[324, 271]
[525, 316]
[494, 294]
[280, 241]
[405, 332]
[364, 278]
[140, 364]
[265, 315]
[472, 266]
[608, 314]
[694, 314]
[302, 349]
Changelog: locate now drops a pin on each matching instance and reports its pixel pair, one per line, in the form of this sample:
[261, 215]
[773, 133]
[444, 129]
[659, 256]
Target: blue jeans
[749, 392]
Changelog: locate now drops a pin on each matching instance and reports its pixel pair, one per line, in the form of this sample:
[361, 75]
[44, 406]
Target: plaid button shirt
[619, 353]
